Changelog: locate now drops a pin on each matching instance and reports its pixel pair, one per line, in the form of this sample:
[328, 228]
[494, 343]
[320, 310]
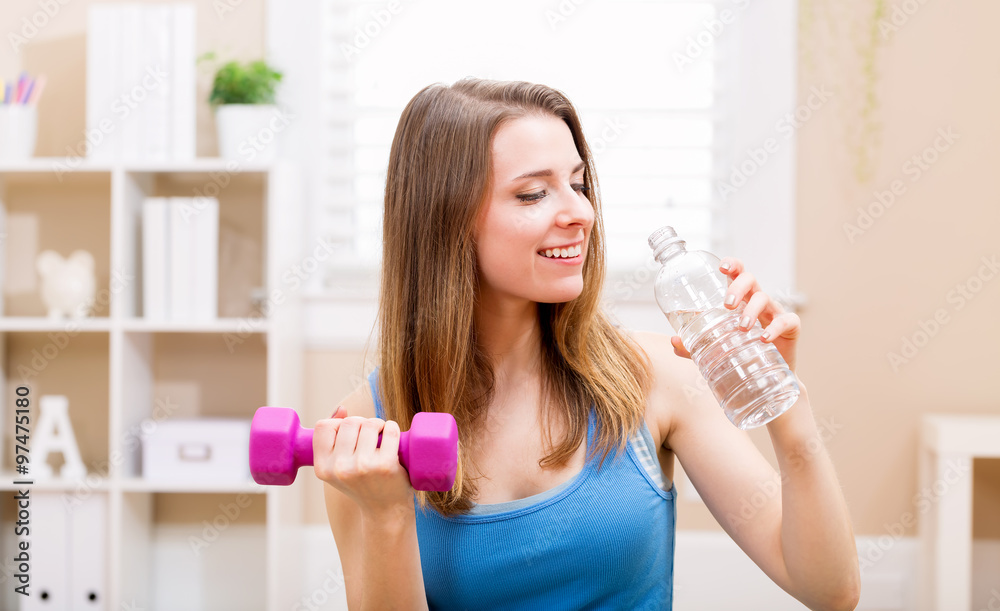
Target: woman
[493, 265]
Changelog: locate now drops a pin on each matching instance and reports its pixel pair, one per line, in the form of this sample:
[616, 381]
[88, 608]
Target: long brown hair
[439, 176]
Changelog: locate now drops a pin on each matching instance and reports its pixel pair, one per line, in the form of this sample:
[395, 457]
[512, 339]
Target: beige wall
[864, 297]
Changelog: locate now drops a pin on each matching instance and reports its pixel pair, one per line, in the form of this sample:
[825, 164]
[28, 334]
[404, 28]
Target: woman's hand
[781, 328]
[346, 457]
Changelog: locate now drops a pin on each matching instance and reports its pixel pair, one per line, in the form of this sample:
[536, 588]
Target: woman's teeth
[562, 253]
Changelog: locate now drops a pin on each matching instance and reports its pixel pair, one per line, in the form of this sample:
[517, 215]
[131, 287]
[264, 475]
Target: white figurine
[68, 285]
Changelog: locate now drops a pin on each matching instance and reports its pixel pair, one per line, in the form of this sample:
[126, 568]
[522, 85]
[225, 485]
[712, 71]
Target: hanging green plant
[870, 136]
[862, 131]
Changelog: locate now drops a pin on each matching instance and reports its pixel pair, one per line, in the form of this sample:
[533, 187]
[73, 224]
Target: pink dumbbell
[279, 446]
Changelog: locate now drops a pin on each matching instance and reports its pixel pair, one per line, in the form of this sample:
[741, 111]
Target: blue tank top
[602, 540]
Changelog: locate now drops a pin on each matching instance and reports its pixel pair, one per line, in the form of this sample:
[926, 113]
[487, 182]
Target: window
[642, 75]
[677, 99]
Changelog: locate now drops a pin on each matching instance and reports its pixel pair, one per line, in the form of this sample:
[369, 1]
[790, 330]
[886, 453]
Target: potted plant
[243, 97]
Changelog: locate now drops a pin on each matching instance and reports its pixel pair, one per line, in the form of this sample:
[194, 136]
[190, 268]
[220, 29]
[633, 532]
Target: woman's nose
[575, 208]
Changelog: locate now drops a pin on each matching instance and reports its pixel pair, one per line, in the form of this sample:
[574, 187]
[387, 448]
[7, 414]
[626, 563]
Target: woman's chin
[561, 294]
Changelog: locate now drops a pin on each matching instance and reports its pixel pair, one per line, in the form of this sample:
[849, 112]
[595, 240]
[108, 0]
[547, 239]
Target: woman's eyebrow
[547, 172]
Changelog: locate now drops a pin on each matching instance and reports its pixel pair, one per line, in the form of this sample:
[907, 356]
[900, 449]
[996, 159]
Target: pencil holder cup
[18, 131]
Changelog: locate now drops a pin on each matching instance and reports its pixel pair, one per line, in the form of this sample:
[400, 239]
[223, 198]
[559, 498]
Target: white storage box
[197, 450]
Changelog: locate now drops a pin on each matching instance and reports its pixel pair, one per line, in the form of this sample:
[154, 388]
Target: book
[194, 248]
[205, 282]
[102, 137]
[182, 83]
[155, 259]
[159, 75]
[141, 96]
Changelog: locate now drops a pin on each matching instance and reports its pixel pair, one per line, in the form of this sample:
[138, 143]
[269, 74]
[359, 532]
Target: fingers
[390, 439]
[754, 310]
[679, 348]
[368, 436]
[324, 439]
[348, 437]
[786, 325]
[743, 287]
[349, 447]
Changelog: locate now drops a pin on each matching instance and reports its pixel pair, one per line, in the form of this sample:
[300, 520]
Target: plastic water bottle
[748, 377]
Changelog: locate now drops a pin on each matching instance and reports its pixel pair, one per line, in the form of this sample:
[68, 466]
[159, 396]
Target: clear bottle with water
[748, 377]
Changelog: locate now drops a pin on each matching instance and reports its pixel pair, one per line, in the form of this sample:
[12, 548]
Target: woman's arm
[792, 523]
[377, 547]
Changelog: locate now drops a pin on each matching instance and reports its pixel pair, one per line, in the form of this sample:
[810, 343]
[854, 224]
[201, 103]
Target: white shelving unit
[114, 367]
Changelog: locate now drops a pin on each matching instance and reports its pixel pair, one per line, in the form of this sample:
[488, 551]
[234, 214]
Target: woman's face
[537, 208]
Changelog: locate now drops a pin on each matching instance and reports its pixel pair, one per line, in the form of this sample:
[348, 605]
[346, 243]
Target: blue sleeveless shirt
[602, 540]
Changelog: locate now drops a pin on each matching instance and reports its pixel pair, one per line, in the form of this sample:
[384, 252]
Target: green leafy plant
[253, 82]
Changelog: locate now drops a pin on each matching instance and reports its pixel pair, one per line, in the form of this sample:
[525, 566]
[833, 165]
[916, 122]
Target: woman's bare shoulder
[667, 366]
[359, 402]
[675, 378]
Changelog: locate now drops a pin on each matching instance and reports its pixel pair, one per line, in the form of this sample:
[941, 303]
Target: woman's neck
[510, 335]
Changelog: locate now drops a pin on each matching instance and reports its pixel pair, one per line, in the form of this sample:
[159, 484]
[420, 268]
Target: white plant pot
[249, 133]
[18, 130]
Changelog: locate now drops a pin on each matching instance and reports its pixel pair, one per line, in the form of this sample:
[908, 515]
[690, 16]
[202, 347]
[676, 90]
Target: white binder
[49, 548]
[88, 555]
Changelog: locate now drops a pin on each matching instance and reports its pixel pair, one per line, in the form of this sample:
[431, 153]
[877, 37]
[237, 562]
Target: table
[948, 445]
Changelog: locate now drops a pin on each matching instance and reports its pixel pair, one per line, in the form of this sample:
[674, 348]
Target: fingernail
[745, 322]
[730, 299]
[765, 335]
[726, 266]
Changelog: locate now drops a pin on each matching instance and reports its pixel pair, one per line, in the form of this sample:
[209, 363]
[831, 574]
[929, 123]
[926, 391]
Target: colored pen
[39, 86]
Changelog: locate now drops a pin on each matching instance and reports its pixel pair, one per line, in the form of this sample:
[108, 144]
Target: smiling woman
[532, 232]
[493, 265]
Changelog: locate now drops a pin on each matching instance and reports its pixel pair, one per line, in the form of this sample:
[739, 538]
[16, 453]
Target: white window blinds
[644, 76]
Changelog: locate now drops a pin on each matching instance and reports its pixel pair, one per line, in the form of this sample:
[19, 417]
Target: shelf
[42, 324]
[119, 370]
[220, 325]
[200, 164]
[89, 483]
[138, 484]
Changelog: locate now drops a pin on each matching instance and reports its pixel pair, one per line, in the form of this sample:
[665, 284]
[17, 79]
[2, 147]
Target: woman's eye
[532, 197]
[581, 188]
